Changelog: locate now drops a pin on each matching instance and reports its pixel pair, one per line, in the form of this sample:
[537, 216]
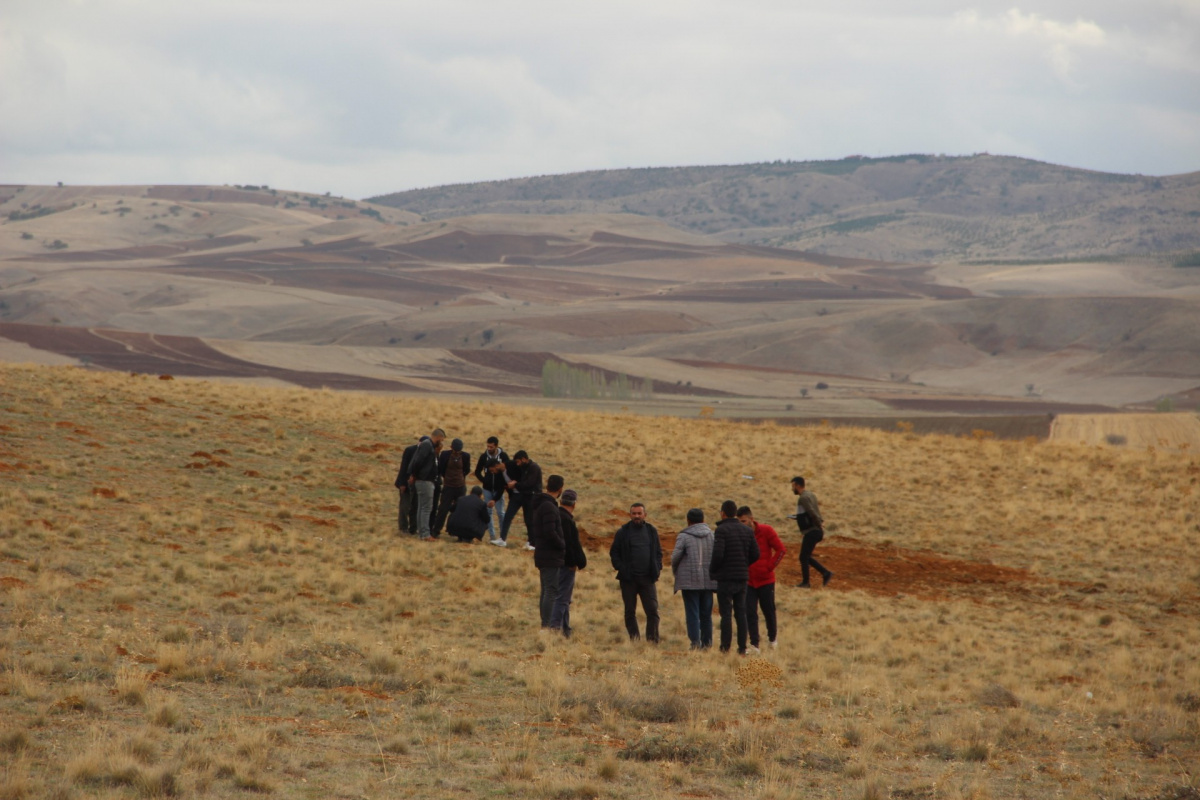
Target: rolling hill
[919, 208]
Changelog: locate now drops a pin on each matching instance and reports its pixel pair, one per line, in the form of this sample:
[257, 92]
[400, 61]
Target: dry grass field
[202, 594]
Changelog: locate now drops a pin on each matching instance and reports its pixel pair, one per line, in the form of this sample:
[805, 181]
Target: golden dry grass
[203, 595]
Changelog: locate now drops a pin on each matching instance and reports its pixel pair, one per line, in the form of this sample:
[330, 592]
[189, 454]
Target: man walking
[636, 555]
[760, 587]
[422, 474]
[734, 550]
[812, 530]
[525, 486]
[453, 467]
[690, 561]
[490, 469]
[574, 559]
[546, 534]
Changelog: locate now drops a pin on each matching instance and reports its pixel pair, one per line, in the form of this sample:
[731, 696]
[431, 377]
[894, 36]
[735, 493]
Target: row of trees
[563, 380]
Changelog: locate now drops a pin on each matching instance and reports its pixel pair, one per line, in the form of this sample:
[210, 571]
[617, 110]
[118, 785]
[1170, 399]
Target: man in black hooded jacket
[636, 555]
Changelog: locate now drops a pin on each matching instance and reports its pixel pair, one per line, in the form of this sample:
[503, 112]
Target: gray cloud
[369, 96]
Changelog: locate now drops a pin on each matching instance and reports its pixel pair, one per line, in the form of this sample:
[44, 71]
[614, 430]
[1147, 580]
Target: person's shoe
[499, 542]
[803, 585]
[752, 650]
[774, 644]
[826, 578]
[528, 546]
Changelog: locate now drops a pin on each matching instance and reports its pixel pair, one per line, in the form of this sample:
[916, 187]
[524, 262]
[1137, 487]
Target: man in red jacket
[760, 588]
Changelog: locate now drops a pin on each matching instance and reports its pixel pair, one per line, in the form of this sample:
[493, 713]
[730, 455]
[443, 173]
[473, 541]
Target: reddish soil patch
[882, 570]
[102, 491]
[329, 523]
[8, 582]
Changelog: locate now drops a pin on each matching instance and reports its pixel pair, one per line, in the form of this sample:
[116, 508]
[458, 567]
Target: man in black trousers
[812, 529]
[734, 550]
[636, 555]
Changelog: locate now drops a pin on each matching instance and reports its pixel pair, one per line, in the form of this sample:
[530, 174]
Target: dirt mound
[882, 570]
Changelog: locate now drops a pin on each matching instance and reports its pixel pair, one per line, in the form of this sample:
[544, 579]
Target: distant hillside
[903, 208]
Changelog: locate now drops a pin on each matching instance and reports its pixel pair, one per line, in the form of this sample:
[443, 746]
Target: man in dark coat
[421, 478]
[469, 519]
[525, 486]
[489, 469]
[574, 559]
[408, 508]
[453, 468]
[734, 550]
[636, 555]
[546, 534]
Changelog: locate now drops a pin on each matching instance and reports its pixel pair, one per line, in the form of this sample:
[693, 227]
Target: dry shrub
[667, 747]
[996, 696]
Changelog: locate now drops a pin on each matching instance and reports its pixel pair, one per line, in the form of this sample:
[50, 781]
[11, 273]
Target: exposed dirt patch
[618, 323]
[967, 405]
[882, 570]
[1012, 428]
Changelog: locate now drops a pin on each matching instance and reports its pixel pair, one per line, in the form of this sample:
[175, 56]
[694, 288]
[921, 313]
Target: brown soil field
[989, 406]
[206, 596]
[614, 323]
[1011, 428]
[1180, 431]
[777, 291]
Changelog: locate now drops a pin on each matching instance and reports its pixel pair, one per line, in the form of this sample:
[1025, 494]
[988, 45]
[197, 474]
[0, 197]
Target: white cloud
[369, 96]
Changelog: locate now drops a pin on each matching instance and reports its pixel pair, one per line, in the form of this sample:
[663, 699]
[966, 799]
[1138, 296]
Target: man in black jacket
[546, 534]
[526, 485]
[408, 508]
[469, 519]
[734, 550]
[421, 478]
[636, 555]
[574, 559]
[489, 469]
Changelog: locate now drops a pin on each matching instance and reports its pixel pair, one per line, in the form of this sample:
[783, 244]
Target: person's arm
[752, 552]
[479, 471]
[679, 553]
[614, 549]
[718, 556]
[777, 548]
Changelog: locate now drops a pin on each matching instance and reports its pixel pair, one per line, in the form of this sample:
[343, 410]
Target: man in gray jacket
[690, 561]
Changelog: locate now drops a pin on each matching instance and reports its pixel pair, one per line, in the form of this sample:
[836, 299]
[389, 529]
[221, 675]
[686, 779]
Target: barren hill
[269, 285]
[905, 208]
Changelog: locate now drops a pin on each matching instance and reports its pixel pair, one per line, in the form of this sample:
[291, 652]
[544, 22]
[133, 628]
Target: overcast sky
[363, 97]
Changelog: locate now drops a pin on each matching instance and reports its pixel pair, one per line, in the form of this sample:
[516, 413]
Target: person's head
[521, 457]
[554, 485]
[457, 445]
[477, 491]
[568, 499]
[695, 516]
[637, 513]
[493, 445]
[745, 516]
[797, 484]
[437, 435]
[728, 509]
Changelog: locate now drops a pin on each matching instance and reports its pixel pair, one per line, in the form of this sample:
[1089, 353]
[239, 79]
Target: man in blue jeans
[489, 469]
[690, 561]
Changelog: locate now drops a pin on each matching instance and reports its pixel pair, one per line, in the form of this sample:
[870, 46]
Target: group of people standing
[735, 561]
[433, 490]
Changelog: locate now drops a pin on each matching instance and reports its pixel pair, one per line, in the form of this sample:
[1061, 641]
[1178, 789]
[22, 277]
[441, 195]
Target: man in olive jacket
[574, 559]
[546, 535]
[734, 550]
[636, 555]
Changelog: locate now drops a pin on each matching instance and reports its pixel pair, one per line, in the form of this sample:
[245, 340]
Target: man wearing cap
[422, 472]
[453, 467]
[574, 559]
